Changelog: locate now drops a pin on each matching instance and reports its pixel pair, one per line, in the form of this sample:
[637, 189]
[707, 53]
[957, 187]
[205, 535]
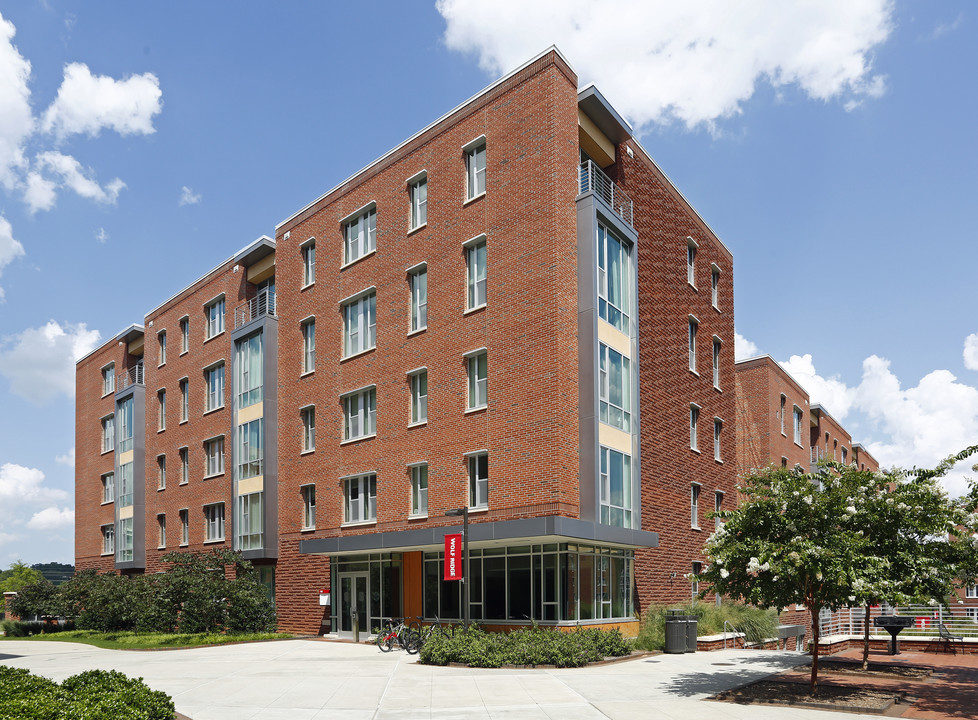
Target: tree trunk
[866, 638]
[815, 638]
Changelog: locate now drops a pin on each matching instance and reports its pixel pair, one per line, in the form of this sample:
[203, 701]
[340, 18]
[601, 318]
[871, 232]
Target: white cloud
[40, 193]
[971, 352]
[21, 485]
[88, 103]
[10, 248]
[72, 176]
[945, 28]
[101, 235]
[67, 459]
[188, 196]
[830, 392]
[16, 118]
[744, 348]
[51, 519]
[695, 62]
[39, 362]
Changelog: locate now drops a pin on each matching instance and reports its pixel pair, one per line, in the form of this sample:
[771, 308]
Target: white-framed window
[972, 614]
[108, 539]
[308, 345]
[694, 505]
[184, 465]
[845, 455]
[475, 170]
[614, 386]
[126, 485]
[479, 480]
[214, 456]
[717, 507]
[249, 370]
[360, 499]
[715, 286]
[309, 262]
[614, 279]
[250, 533]
[161, 344]
[124, 548]
[360, 325]
[478, 381]
[616, 488]
[697, 568]
[308, 507]
[418, 281]
[214, 377]
[419, 397]
[716, 362]
[108, 433]
[360, 236]
[161, 524]
[784, 400]
[184, 527]
[213, 522]
[184, 335]
[475, 269]
[108, 379]
[419, 489]
[971, 591]
[797, 416]
[694, 421]
[691, 261]
[250, 450]
[360, 414]
[108, 488]
[161, 472]
[161, 409]
[419, 203]
[184, 400]
[717, 430]
[694, 327]
[308, 428]
[214, 318]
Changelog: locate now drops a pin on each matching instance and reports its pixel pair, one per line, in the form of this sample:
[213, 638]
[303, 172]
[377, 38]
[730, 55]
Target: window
[161, 412]
[478, 381]
[184, 400]
[360, 499]
[360, 325]
[715, 286]
[694, 505]
[419, 203]
[161, 472]
[475, 267]
[161, 340]
[614, 385]
[717, 429]
[971, 591]
[717, 508]
[691, 261]
[214, 456]
[694, 579]
[308, 507]
[360, 236]
[308, 346]
[249, 526]
[419, 490]
[616, 488]
[419, 397]
[108, 487]
[213, 522]
[184, 527]
[797, 424]
[479, 481]
[184, 466]
[614, 279]
[184, 335]
[716, 362]
[309, 263]
[214, 314]
[972, 614]
[126, 424]
[845, 455]
[475, 171]
[108, 379]
[250, 449]
[161, 522]
[215, 387]
[249, 370]
[419, 299]
[781, 414]
[308, 429]
[108, 539]
[125, 485]
[108, 433]
[694, 326]
[694, 420]
[360, 414]
[124, 548]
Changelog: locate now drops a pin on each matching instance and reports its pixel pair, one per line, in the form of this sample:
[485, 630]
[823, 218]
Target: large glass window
[123, 552]
[419, 489]
[108, 539]
[126, 485]
[475, 265]
[250, 450]
[249, 370]
[360, 414]
[616, 488]
[249, 522]
[360, 325]
[360, 499]
[213, 522]
[479, 481]
[614, 279]
[360, 236]
[419, 299]
[126, 427]
[614, 381]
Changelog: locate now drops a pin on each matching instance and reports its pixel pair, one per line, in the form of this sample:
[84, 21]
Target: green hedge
[527, 646]
[91, 695]
[756, 624]
[24, 628]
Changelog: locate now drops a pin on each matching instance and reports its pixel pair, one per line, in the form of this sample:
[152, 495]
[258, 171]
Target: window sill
[108, 554]
[185, 482]
[162, 429]
[692, 449]
[474, 198]
[106, 452]
[718, 461]
[215, 335]
[307, 373]
[422, 226]
[307, 286]
[717, 388]
[693, 372]
[183, 352]
[358, 354]
[211, 542]
[696, 289]
[161, 489]
[797, 443]
[477, 308]
[420, 423]
[107, 502]
[418, 331]
[718, 309]
[183, 422]
[161, 547]
[212, 410]
[418, 517]
[208, 477]
[308, 529]
[477, 510]
[358, 439]
[481, 408]
[344, 266]
[106, 395]
[359, 523]
[697, 528]
[310, 451]
[162, 364]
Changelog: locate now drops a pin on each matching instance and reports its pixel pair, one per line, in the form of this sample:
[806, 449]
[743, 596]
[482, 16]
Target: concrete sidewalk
[307, 680]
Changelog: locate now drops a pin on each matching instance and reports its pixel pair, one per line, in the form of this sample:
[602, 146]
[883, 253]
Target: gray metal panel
[594, 105]
[587, 358]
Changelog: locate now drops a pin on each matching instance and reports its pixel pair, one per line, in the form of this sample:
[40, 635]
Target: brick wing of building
[514, 311]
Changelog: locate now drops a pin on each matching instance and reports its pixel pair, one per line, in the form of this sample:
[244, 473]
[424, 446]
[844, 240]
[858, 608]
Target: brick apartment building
[514, 311]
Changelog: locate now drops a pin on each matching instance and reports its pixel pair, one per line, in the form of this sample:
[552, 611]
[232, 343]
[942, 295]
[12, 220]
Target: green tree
[38, 598]
[19, 575]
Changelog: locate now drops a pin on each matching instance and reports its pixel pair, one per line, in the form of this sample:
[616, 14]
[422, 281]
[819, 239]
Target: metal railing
[132, 376]
[262, 304]
[593, 179]
[850, 621]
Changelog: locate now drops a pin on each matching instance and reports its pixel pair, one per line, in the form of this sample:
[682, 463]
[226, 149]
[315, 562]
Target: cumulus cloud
[67, 459]
[744, 348]
[88, 103]
[23, 485]
[188, 196]
[16, 118]
[69, 174]
[39, 363]
[830, 392]
[971, 351]
[51, 519]
[692, 62]
[10, 248]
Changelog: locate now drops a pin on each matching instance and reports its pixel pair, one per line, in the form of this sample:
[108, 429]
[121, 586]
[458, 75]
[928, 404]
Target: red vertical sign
[453, 557]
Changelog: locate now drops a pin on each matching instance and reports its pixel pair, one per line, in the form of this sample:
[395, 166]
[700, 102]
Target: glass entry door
[353, 604]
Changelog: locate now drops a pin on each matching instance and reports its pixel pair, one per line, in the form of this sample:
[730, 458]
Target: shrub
[22, 628]
[756, 623]
[38, 598]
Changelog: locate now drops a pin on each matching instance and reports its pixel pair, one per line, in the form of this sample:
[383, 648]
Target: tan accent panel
[125, 513]
[125, 457]
[615, 439]
[614, 338]
[262, 270]
[594, 142]
[135, 347]
[252, 412]
[251, 485]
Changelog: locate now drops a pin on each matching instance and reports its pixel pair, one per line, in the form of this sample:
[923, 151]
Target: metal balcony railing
[132, 376]
[262, 304]
[593, 179]
[960, 620]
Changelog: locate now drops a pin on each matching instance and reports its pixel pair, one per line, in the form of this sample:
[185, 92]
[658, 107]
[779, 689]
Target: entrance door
[353, 604]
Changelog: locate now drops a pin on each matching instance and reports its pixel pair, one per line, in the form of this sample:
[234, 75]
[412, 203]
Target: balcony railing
[262, 304]
[133, 376]
[594, 180]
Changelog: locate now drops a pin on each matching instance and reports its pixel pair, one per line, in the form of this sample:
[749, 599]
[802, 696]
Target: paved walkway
[310, 680]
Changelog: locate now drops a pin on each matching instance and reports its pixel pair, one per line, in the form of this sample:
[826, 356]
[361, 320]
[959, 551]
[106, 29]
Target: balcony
[593, 179]
[132, 376]
[259, 306]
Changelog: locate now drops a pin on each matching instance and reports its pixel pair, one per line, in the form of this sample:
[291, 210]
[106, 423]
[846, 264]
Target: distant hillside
[55, 572]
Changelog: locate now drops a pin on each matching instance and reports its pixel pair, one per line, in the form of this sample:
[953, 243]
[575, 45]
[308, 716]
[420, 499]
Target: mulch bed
[855, 667]
[795, 694]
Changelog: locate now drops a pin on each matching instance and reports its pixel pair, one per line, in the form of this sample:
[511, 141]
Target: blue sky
[833, 149]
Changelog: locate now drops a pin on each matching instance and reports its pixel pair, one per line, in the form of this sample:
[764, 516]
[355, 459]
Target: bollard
[355, 616]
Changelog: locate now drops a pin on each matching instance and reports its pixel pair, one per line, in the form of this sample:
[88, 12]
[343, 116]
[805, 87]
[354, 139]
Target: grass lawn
[146, 641]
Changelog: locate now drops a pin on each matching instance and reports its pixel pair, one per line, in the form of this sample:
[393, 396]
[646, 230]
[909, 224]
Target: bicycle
[397, 632]
[424, 632]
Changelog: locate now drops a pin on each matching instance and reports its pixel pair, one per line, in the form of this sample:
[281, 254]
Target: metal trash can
[691, 623]
[676, 633]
